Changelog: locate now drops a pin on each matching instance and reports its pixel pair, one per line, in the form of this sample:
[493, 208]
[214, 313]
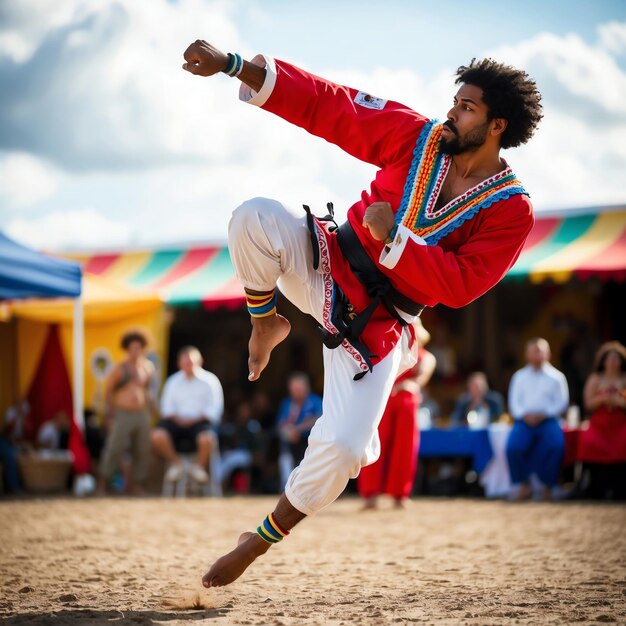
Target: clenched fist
[379, 220]
[203, 59]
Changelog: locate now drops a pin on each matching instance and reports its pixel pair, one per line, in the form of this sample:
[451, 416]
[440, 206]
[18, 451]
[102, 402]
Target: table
[457, 442]
[487, 449]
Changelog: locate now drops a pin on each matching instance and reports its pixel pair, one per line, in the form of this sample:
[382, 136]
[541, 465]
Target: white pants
[269, 244]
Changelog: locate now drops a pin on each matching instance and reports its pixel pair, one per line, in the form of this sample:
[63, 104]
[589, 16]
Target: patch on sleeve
[370, 102]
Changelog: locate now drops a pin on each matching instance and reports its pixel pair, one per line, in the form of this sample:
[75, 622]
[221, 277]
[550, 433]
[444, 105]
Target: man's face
[467, 126]
[186, 363]
[135, 349]
[476, 387]
[537, 354]
[298, 389]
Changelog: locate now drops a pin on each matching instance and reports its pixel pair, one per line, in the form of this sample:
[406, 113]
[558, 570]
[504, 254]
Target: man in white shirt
[191, 409]
[538, 395]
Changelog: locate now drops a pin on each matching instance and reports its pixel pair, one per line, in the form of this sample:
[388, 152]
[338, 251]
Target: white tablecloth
[496, 479]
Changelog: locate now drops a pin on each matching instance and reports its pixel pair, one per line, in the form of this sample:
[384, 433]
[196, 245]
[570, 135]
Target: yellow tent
[108, 311]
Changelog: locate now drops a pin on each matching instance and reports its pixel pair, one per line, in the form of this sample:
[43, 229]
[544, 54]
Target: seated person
[54, 434]
[191, 408]
[602, 446]
[240, 442]
[486, 405]
[296, 416]
[11, 435]
[538, 396]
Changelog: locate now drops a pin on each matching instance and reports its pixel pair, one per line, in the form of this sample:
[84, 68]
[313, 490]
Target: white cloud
[578, 155]
[71, 229]
[23, 25]
[97, 89]
[572, 74]
[109, 89]
[26, 180]
[613, 37]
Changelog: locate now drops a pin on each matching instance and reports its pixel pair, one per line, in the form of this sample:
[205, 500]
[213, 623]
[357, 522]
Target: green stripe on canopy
[160, 263]
[569, 230]
[204, 282]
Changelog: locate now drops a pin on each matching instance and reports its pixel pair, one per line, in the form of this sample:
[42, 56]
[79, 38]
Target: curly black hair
[509, 93]
[133, 335]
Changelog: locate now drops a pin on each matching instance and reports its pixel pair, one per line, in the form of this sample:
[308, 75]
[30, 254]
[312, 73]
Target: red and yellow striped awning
[585, 244]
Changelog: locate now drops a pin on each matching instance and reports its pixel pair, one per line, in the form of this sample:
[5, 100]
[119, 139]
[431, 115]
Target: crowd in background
[253, 448]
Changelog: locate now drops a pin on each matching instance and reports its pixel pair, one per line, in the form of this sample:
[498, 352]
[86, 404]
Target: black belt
[376, 283]
[349, 325]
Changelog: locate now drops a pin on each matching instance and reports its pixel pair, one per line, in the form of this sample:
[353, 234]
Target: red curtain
[51, 392]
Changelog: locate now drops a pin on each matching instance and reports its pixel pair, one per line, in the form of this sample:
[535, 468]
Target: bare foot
[267, 333]
[546, 494]
[399, 504]
[523, 493]
[232, 565]
[370, 504]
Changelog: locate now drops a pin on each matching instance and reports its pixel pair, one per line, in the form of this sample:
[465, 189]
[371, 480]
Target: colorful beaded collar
[423, 185]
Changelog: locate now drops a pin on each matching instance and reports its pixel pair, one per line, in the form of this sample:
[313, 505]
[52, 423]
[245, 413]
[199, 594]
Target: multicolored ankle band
[270, 531]
[262, 305]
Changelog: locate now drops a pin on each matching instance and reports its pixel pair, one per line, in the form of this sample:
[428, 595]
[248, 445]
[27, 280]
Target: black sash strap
[378, 287]
[375, 281]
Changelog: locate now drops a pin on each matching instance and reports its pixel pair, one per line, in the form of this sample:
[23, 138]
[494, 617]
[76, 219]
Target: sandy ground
[139, 561]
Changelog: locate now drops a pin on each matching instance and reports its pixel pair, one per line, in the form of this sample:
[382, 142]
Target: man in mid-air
[443, 221]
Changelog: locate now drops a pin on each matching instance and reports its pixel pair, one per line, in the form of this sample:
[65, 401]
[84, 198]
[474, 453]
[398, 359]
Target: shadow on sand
[121, 618]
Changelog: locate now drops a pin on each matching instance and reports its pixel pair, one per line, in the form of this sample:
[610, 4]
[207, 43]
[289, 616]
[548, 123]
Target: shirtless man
[128, 408]
[443, 221]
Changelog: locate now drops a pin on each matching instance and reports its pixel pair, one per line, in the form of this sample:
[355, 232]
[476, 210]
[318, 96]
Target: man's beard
[471, 141]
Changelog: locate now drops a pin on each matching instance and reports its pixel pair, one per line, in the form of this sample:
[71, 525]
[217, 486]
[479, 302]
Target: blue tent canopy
[25, 273]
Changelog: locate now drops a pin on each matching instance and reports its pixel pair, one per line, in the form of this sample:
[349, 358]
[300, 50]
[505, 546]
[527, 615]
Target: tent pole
[78, 332]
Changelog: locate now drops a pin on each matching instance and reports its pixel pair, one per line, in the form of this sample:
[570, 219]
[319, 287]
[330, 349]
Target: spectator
[128, 405]
[478, 403]
[538, 395]
[602, 447]
[16, 420]
[192, 405]
[94, 437]
[240, 442]
[296, 416]
[393, 473]
[12, 433]
[269, 450]
[54, 434]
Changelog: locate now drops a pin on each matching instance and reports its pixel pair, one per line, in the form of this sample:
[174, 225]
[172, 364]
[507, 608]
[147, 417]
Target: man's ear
[498, 125]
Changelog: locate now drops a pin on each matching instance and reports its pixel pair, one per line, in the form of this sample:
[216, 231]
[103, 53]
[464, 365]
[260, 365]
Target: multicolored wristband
[391, 236]
[262, 305]
[270, 531]
[235, 65]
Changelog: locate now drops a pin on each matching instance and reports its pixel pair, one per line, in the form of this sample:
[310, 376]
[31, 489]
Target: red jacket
[463, 265]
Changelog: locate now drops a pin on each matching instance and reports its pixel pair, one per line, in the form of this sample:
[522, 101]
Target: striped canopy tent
[581, 243]
[182, 276]
[571, 243]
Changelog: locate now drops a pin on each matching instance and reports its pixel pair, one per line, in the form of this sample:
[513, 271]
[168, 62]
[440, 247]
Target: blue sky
[410, 35]
[105, 142]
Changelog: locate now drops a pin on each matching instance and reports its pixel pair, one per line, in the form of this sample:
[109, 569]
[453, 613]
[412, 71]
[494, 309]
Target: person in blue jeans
[538, 396]
[297, 414]
[12, 434]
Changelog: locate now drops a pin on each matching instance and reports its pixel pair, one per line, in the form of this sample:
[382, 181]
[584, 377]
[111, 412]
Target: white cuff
[391, 254]
[246, 94]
